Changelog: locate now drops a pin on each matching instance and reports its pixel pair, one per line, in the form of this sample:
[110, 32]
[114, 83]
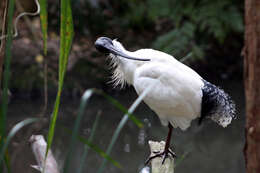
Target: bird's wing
[177, 92]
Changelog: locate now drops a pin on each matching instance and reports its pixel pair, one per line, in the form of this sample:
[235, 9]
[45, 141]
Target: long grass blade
[84, 100]
[99, 151]
[121, 125]
[67, 33]
[86, 148]
[44, 24]
[6, 74]
[118, 105]
[7, 162]
[83, 103]
[185, 58]
[93, 147]
[11, 134]
[66, 37]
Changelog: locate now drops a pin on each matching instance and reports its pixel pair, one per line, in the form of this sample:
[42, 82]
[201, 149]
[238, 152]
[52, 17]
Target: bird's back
[176, 96]
[180, 94]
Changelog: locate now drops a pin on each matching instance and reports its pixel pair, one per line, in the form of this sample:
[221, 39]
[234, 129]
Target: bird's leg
[166, 151]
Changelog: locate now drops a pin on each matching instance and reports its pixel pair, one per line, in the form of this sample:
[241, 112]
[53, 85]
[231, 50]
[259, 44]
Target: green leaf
[86, 148]
[121, 107]
[122, 124]
[66, 37]
[12, 133]
[128, 114]
[94, 148]
[44, 23]
[7, 162]
[99, 151]
[75, 131]
[6, 76]
[83, 104]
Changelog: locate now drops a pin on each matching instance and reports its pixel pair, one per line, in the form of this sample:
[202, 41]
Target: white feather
[176, 98]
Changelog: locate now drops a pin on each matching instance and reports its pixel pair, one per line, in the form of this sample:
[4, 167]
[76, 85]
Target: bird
[179, 95]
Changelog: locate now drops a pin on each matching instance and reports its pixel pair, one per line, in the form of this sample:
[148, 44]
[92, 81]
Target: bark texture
[252, 84]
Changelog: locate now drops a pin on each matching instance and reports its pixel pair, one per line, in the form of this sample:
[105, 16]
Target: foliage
[183, 26]
[15, 129]
[86, 148]
[128, 115]
[4, 104]
[194, 22]
[44, 24]
[84, 100]
[66, 37]
[122, 124]
[12, 133]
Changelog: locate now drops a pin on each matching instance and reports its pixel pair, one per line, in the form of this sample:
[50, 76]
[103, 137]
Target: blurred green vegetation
[181, 26]
[202, 28]
[196, 23]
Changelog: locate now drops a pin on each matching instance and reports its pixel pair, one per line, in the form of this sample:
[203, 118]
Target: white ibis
[180, 95]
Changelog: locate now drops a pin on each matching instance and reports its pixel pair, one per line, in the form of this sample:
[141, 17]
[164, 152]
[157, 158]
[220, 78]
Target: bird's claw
[172, 153]
[164, 154]
[156, 152]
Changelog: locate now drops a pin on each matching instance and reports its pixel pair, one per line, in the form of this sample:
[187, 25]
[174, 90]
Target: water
[207, 148]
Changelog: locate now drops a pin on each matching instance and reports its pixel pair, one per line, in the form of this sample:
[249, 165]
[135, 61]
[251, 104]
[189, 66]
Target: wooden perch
[39, 146]
[157, 166]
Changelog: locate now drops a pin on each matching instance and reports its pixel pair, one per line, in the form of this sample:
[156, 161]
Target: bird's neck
[123, 72]
[128, 68]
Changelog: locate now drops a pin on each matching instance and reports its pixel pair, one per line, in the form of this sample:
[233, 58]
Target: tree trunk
[252, 85]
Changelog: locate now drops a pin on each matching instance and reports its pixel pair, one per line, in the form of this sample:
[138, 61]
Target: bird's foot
[164, 155]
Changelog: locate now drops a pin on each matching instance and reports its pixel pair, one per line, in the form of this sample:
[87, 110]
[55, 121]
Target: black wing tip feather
[216, 104]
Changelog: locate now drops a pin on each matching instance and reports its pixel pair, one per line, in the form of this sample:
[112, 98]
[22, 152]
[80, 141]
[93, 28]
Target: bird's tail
[217, 105]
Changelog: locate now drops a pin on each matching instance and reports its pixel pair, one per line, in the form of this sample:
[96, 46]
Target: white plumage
[175, 97]
[179, 96]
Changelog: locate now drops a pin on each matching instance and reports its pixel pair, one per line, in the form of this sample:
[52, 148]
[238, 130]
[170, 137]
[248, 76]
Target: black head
[102, 44]
[105, 45]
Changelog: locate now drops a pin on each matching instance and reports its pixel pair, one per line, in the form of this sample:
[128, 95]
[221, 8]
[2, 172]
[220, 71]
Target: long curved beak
[105, 45]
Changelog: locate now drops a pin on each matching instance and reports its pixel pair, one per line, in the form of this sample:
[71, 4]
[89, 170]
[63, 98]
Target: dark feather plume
[216, 104]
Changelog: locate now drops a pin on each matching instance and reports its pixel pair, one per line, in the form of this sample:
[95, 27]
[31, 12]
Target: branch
[39, 146]
[157, 166]
[18, 18]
